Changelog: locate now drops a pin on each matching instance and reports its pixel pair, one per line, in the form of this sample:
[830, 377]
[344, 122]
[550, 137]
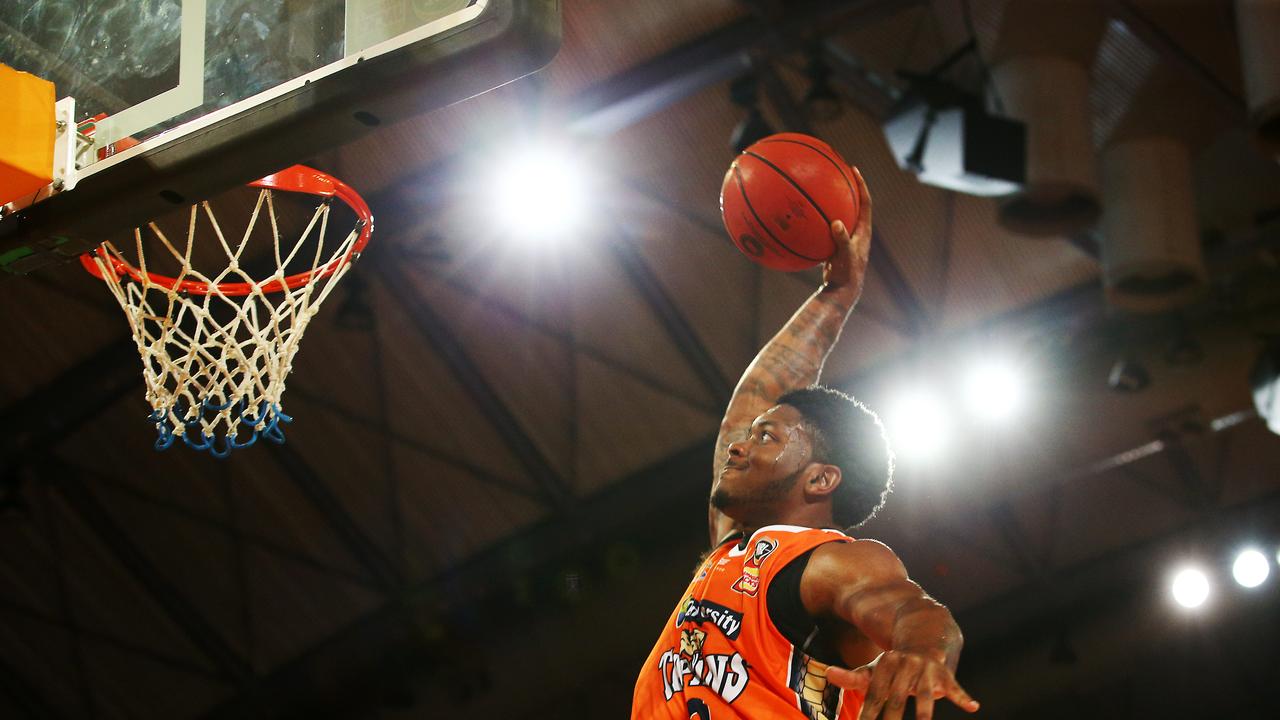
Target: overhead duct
[1040, 69]
[1258, 25]
[1151, 257]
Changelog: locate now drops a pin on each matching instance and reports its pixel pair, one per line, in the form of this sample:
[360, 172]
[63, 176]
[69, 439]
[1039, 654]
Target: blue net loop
[267, 420]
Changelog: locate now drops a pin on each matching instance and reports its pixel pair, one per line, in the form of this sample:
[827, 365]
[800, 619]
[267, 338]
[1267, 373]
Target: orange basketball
[781, 195]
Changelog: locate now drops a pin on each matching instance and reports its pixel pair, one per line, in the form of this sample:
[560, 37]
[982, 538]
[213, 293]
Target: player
[785, 603]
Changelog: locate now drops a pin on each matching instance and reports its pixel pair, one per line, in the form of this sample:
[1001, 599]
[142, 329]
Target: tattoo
[792, 360]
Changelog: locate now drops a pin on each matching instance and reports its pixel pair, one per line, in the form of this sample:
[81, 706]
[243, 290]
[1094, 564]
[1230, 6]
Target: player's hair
[848, 434]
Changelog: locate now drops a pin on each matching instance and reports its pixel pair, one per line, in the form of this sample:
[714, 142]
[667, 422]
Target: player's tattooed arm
[793, 359]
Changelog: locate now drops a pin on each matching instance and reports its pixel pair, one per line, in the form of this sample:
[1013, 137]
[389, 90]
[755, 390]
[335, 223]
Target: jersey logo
[749, 583]
[807, 678]
[725, 675]
[700, 612]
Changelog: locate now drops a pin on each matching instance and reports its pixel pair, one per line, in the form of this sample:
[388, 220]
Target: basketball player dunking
[785, 603]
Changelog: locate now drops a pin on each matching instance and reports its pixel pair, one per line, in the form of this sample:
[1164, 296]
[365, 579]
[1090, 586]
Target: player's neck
[812, 516]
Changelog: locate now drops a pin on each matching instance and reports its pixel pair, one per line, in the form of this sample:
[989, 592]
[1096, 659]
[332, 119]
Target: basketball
[781, 195]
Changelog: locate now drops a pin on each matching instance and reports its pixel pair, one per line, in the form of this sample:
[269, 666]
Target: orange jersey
[720, 656]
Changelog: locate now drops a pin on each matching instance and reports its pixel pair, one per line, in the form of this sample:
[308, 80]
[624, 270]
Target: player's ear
[822, 480]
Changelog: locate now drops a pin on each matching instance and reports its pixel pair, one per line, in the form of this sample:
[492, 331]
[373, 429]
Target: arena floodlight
[1190, 587]
[995, 389]
[539, 192]
[1250, 568]
[918, 426]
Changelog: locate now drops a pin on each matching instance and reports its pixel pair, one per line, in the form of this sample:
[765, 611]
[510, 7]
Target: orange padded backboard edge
[27, 130]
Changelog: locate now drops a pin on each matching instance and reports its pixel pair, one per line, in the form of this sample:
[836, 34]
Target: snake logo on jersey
[807, 678]
[726, 675]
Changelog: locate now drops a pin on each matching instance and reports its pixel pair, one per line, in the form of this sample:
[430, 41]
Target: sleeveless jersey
[720, 657]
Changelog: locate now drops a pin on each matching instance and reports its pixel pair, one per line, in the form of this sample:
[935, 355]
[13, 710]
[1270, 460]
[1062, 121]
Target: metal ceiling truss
[32, 425]
[1157, 39]
[26, 697]
[54, 538]
[650, 380]
[716, 57]
[98, 637]
[349, 533]
[673, 321]
[437, 335]
[333, 677]
[341, 412]
[86, 506]
[229, 530]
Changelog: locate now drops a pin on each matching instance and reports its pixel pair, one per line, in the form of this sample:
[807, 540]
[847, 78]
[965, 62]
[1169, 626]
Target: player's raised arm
[793, 359]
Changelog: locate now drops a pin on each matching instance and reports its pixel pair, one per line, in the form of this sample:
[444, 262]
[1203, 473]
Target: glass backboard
[176, 100]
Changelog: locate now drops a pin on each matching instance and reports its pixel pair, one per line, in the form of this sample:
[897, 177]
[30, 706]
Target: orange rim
[299, 179]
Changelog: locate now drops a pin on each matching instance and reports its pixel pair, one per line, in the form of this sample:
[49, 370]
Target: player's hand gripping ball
[781, 195]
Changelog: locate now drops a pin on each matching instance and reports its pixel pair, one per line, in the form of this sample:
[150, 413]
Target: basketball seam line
[806, 197]
[742, 187]
[848, 183]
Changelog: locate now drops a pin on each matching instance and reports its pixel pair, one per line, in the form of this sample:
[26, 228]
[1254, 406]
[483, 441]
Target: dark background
[494, 488]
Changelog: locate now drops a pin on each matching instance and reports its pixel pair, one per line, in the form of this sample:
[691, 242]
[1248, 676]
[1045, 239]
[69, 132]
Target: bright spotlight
[995, 390]
[1250, 568]
[1190, 588]
[918, 427]
[539, 192]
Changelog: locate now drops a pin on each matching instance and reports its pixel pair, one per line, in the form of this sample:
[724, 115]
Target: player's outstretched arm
[793, 358]
[863, 583]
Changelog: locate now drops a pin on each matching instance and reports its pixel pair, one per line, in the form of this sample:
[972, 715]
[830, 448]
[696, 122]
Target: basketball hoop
[216, 349]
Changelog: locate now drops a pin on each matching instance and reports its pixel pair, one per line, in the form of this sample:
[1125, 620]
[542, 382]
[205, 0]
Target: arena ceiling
[493, 489]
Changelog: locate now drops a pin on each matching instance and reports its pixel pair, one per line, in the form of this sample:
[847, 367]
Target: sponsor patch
[701, 612]
[749, 583]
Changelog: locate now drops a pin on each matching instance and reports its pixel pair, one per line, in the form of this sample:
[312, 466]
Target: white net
[216, 349]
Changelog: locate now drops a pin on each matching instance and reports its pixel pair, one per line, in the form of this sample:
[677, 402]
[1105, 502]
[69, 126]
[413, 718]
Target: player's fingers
[924, 705]
[903, 685]
[877, 691]
[957, 695]
[864, 199]
[839, 233]
[857, 680]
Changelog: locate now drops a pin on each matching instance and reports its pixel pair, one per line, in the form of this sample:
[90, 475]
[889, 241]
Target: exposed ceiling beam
[715, 57]
[36, 422]
[30, 701]
[1005, 628]
[870, 92]
[672, 319]
[1173, 53]
[95, 636]
[86, 506]
[436, 333]
[334, 677]
[792, 115]
[348, 532]
[884, 266]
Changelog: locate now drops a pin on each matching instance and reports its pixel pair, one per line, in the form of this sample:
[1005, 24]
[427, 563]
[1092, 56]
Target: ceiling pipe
[1040, 59]
[1151, 256]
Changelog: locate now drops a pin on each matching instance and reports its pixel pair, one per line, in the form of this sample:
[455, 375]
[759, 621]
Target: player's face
[759, 471]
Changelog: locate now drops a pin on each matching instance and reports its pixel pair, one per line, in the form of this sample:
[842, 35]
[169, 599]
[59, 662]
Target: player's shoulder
[855, 557]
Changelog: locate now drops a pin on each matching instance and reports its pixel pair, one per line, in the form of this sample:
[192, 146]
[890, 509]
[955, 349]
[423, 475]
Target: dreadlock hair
[848, 434]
